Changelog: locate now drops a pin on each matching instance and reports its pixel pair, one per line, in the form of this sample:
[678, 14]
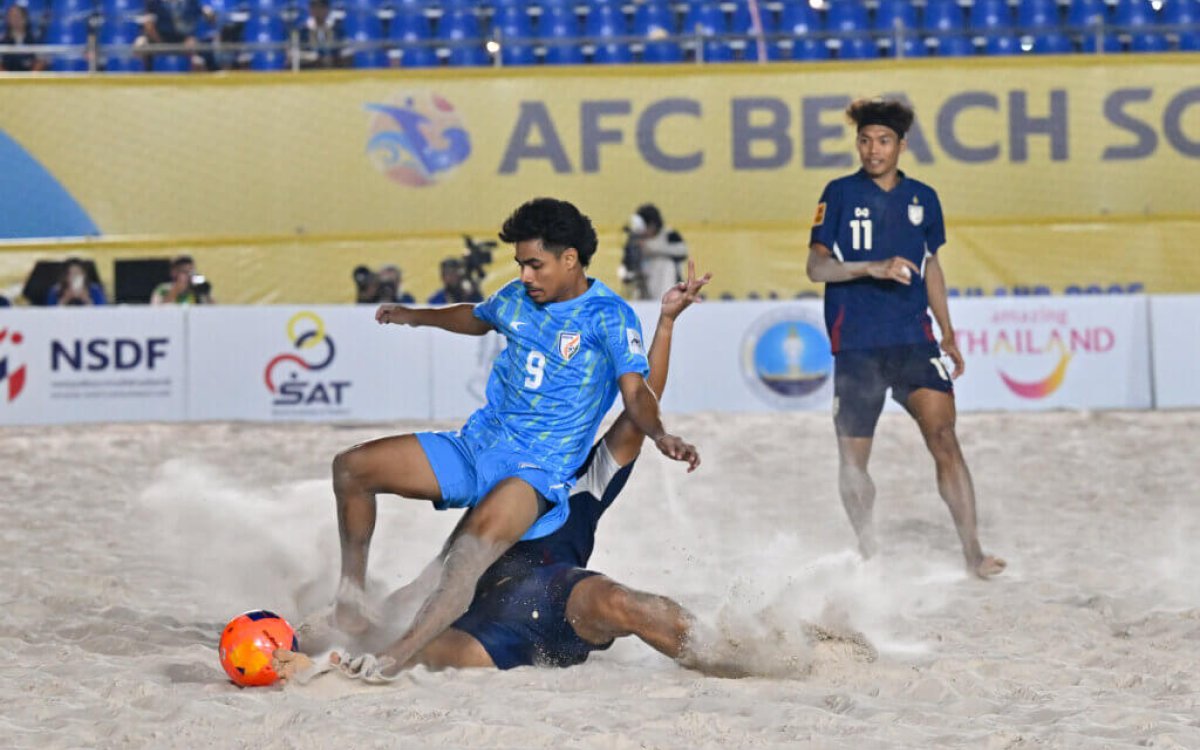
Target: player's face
[546, 276]
[879, 150]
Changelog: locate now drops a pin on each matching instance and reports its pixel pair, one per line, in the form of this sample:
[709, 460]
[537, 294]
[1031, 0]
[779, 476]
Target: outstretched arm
[823, 267]
[455, 318]
[624, 439]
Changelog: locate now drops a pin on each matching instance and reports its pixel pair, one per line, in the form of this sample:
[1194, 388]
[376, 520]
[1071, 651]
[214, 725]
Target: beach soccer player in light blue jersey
[572, 344]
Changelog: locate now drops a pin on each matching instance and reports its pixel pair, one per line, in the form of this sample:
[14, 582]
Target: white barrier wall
[335, 363]
[94, 365]
[1175, 333]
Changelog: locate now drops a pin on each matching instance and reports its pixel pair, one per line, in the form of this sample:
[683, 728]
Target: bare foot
[290, 665]
[989, 566]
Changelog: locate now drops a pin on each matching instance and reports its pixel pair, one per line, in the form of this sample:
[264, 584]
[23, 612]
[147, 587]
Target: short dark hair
[891, 113]
[182, 260]
[558, 224]
[650, 214]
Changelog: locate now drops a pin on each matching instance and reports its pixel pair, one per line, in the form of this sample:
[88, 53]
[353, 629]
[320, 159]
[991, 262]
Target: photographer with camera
[185, 287]
[653, 255]
[384, 286]
[462, 278]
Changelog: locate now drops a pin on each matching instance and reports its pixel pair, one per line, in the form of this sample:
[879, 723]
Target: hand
[897, 269]
[392, 313]
[676, 449]
[950, 347]
[680, 297]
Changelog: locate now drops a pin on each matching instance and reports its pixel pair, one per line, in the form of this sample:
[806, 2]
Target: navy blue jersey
[600, 480]
[859, 222]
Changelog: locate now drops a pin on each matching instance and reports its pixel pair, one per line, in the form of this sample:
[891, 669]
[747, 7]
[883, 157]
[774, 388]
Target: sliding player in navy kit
[874, 244]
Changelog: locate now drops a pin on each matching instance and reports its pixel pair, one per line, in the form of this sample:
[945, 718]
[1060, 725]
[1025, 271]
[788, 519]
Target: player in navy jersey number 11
[874, 244]
[572, 345]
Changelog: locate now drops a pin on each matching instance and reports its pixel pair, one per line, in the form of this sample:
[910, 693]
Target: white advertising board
[1037, 353]
[1175, 335]
[105, 364]
[325, 363]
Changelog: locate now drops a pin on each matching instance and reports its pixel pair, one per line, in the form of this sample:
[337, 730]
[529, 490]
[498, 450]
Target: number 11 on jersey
[860, 230]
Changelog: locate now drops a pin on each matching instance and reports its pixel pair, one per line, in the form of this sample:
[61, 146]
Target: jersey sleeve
[621, 332]
[490, 309]
[935, 230]
[825, 221]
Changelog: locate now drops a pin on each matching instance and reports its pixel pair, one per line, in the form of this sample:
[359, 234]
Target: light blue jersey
[557, 378]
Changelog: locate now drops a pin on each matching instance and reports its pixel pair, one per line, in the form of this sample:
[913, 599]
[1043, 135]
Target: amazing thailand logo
[417, 138]
[291, 376]
[12, 376]
[786, 358]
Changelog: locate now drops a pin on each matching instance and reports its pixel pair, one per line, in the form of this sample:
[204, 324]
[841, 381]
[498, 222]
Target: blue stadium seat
[991, 14]
[662, 52]
[564, 53]
[1112, 43]
[1084, 14]
[365, 28]
[847, 15]
[1051, 43]
[468, 55]
[893, 14]
[517, 54]
[69, 11]
[1149, 43]
[613, 53]
[1037, 14]
[742, 21]
[1189, 41]
[954, 46]
[605, 19]
[723, 52]
[410, 27]
[703, 18]
[559, 22]
[1134, 13]
[809, 49]
[459, 24]
[943, 15]
[855, 48]
[798, 18]
[121, 11]
[418, 57]
[653, 18]
[264, 30]
[512, 22]
[68, 32]
[1002, 44]
[1180, 12]
[912, 46]
[172, 64]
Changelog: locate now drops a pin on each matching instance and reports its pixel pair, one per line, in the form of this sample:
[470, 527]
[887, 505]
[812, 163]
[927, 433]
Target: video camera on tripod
[462, 277]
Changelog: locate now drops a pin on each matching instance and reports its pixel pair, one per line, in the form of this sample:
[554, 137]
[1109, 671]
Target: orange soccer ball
[249, 641]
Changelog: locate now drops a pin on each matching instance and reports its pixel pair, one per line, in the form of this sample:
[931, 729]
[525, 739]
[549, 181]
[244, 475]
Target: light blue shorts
[465, 477]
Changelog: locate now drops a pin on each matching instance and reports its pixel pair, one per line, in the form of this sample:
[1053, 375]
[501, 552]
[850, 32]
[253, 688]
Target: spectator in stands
[321, 38]
[174, 22]
[18, 31]
[185, 287]
[658, 250]
[74, 287]
[385, 286]
[457, 285]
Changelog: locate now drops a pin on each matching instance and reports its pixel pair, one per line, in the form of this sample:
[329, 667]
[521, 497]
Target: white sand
[125, 548]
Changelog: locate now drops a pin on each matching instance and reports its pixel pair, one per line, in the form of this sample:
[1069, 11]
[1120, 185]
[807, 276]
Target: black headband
[885, 119]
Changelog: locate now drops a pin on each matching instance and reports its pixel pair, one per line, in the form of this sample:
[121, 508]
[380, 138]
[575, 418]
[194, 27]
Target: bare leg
[453, 649]
[935, 414]
[857, 490]
[488, 531]
[600, 609]
[396, 465]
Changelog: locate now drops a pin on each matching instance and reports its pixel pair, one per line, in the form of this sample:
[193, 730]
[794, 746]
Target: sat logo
[296, 388]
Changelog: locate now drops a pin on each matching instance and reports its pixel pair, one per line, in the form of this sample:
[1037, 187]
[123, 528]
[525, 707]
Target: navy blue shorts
[522, 620]
[861, 378]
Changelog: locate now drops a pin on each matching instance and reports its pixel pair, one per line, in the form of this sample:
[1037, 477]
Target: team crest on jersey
[819, 218]
[916, 212]
[568, 344]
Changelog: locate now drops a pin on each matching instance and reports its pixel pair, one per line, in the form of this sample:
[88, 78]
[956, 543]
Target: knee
[348, 466]
[943, 442]
[619, 607]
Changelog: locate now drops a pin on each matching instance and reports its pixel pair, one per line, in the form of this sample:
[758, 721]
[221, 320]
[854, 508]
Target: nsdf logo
[294, 377]
[12, 370]
[786, 358]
